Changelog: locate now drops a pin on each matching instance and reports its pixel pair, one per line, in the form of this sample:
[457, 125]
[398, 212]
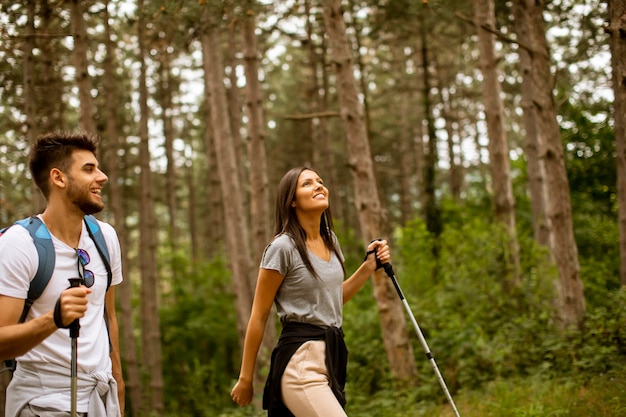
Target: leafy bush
[200, 341]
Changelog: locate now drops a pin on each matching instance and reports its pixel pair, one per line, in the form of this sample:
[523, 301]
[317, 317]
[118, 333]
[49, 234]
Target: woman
[302, 271]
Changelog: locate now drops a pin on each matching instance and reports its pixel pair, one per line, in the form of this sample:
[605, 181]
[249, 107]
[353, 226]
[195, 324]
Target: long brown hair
[286, 221]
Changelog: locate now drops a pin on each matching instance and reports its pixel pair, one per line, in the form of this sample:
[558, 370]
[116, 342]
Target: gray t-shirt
[303, 297]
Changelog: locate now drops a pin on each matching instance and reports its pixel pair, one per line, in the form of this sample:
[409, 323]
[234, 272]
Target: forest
[484, 139]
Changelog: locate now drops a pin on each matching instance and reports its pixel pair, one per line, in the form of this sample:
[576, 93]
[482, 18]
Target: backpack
[45, 251]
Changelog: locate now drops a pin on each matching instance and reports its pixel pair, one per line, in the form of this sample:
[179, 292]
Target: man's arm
[116, 359]
[17, 339]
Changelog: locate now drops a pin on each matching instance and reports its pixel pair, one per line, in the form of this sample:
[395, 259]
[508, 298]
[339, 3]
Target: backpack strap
[45, 251]
[93, 228]
[95, 232]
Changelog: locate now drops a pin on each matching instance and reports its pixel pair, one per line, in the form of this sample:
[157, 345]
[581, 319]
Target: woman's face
[311, 194]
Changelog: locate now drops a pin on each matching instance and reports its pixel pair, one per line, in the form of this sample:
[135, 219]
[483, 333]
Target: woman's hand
[242, 392]
[377, 250]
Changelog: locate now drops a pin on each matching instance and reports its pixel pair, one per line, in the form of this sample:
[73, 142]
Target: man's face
[85, 181]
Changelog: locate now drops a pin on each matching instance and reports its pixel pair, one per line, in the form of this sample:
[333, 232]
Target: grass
[597, 396]
[536, 396]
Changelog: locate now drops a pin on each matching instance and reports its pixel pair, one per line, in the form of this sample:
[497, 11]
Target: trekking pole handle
[388, 270]
[75, 326]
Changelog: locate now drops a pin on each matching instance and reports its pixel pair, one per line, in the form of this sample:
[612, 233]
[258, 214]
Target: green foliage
[590, 159]
[200, 341]
[478, 330]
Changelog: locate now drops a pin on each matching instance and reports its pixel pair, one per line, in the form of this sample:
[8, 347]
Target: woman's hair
[54, 150]
[286, 221]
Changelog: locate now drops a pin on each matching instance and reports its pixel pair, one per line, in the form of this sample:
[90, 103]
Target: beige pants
[306, 386]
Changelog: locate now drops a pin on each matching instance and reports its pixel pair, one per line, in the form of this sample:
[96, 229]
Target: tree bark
[151, 333]
[81, 66]
[30, 98]
[371, 219]
[532, 138]
[259, 183]
[455, 171]
[124, 292]
[237, 234]
[323, 156]
[50, 82]
[570, 296]
[234, 104]
[503, 201]
[617, 32]
[430, 208]
[167, 85]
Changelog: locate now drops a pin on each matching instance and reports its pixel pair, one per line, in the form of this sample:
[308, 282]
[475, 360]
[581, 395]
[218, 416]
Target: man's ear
[58, 178]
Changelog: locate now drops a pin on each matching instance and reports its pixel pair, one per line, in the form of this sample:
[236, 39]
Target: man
[65, 169]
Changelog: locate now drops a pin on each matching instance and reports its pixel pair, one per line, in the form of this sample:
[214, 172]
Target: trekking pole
[74, 331]
[389, 271]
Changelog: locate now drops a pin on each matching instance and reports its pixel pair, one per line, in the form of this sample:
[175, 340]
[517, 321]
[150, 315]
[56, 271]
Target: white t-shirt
[18, 264]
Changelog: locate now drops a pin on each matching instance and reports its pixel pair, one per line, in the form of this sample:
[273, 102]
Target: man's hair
[54, 150]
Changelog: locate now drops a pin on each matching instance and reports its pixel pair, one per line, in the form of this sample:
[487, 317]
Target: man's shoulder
[14, 233]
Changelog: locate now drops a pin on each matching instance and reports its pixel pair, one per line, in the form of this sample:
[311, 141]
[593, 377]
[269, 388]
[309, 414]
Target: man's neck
[65, 225]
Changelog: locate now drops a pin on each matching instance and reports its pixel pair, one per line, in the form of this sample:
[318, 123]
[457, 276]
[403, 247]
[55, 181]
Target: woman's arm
[353, 284]
[268, 283]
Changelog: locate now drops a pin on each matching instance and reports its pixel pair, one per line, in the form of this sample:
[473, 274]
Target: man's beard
[82, 200]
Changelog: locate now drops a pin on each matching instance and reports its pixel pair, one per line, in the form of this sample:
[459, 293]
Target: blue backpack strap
[45, 251]
[93, 228]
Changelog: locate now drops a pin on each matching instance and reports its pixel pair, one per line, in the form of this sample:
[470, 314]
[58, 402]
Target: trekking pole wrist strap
[58, 319]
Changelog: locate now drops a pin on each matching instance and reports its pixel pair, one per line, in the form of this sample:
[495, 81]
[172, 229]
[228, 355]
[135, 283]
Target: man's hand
[71, 305]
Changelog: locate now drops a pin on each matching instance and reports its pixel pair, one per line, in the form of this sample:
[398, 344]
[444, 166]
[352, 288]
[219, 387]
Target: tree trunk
[237, 234]
[571, 299]
[81, 65]
[455, 171]
[192, 212]
[151, 334]
[124, 292]
[371, 219]
[532, 138]
[259, 183]
[30, 98]
[214, 231]
[419, 152]
[234, 105]
[617, 31]
[323, 156]
[430, 208]
[259, 199]
[407, 166]
[360, 66]
[503, 201]
[166, 87]
[49, 80]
